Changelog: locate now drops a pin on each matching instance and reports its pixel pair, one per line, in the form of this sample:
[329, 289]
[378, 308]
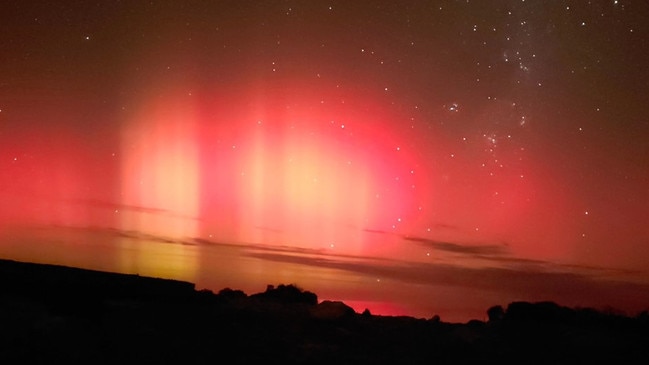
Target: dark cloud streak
[527, 281]
[459, 248]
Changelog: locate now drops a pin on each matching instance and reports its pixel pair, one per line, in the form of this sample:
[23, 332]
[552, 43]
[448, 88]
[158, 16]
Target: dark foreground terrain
[51, 314]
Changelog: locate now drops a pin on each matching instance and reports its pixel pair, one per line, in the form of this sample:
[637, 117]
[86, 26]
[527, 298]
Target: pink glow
[308, 175]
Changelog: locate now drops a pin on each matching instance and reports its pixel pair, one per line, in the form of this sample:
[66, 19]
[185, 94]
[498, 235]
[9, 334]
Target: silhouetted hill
[66, 315]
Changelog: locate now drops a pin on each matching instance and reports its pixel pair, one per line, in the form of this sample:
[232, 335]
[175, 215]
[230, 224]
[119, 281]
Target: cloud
[453, 247]
[460, 248]
[110, 205]
[126, 207]
[525, 280]
[269, 229]
[378, 231]
[510, 277]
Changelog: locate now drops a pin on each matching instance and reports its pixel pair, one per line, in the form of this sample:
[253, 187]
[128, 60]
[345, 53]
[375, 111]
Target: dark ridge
[34, 278]
[68, 289]
[66, 315]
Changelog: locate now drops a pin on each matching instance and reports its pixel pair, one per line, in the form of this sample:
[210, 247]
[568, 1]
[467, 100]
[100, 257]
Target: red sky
[427, 158]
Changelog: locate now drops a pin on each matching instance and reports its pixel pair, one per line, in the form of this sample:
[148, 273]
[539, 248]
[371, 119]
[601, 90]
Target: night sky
[413, 157]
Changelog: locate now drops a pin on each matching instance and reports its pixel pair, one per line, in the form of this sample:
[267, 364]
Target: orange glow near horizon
[302, 184]
[160, 171]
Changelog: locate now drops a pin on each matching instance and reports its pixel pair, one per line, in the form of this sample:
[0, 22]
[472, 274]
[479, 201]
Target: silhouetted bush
[230, 294]
[496, 313]
[541, 311]
[289, 294]
[332, 310]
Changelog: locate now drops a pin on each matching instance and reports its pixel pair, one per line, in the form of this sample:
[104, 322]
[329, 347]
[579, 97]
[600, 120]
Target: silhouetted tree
[230, 294]
[332, 310]
[496, 313]
[541, 311]
[288, 294]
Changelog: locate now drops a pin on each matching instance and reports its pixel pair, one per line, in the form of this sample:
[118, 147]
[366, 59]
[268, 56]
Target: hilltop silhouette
[66, 315]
